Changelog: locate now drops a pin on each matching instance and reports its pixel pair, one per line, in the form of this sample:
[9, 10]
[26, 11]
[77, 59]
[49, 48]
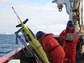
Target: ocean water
[8, 43]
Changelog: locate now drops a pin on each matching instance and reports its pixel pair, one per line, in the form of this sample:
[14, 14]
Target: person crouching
[51, 46]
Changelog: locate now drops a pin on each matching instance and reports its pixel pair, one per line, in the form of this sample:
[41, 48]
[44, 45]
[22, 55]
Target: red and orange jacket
[48, 42]
[69, 47]
[51, 46]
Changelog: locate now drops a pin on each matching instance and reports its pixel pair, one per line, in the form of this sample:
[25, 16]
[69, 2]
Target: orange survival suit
[69, 46]
[51, 46]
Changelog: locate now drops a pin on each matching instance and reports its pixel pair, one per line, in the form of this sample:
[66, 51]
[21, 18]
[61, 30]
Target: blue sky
[42, 14]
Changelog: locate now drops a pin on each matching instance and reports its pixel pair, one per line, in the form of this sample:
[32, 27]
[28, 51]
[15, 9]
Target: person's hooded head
[70, 24]
[39, 34]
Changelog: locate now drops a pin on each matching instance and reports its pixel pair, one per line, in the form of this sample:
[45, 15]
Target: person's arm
[61, 36]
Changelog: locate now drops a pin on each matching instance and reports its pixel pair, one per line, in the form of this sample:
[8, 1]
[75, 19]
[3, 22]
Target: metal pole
[70, 11]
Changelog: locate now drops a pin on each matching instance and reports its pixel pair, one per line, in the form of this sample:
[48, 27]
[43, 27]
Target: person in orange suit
[69, 45]
[51, 46]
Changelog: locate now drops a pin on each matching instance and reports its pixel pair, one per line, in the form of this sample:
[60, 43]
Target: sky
[43, 16]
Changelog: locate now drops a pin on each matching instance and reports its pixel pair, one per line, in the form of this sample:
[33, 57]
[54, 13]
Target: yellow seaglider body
[35, 44]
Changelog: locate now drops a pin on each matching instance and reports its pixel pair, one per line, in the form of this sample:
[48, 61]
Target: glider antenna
[16, 14]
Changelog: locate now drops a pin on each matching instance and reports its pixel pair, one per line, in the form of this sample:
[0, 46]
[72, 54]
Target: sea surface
[8, 43]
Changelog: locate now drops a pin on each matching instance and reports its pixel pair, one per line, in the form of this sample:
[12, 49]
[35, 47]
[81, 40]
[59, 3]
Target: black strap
[68, 30]
[68, 41]
[72, 31]
[53, 48]
[46, 35]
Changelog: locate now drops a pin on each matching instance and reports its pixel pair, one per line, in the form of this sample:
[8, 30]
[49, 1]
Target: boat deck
[80, 61]
[77, 61]
[16, 55]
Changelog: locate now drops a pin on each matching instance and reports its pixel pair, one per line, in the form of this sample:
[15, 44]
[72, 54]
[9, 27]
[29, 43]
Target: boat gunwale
[10, 55]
